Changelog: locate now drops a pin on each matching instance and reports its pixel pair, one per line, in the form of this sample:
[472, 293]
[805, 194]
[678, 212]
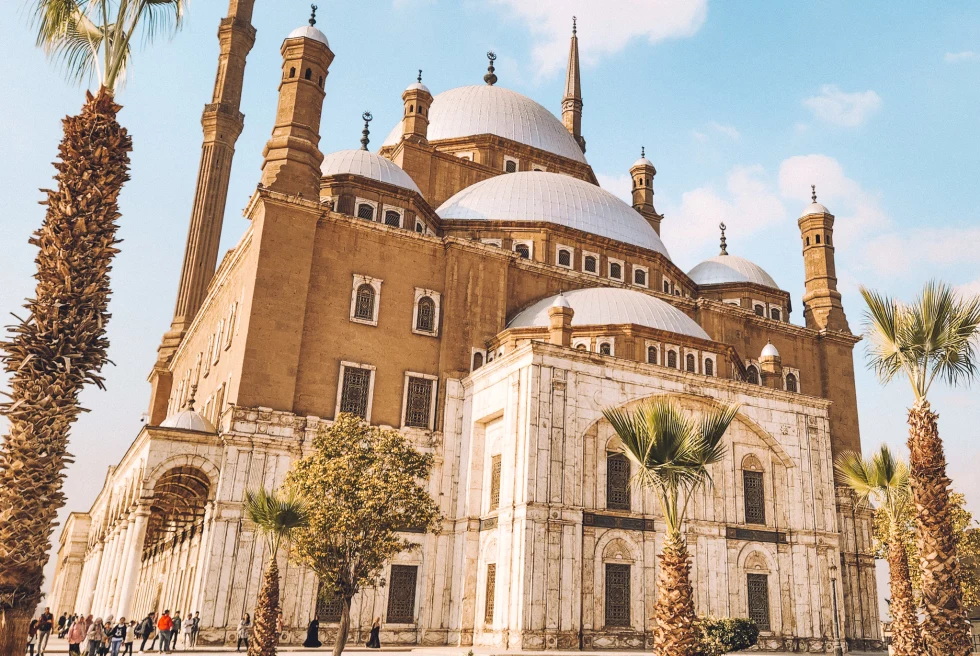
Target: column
[88, 585]
[105, 578]
[122, 543]
[131, 565]
[99, 574]
[203, 551]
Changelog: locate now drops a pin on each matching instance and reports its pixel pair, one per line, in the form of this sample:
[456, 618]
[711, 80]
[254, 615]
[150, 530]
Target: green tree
[277, 516]
[671, 453]
[364, 485]
[61, 344]
[884, 481]
[934, 337]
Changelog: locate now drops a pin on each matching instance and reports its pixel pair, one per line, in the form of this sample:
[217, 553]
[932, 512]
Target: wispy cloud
[620, 185]
[842, 108]
[726, 130]
[605, 28]
[959, 57]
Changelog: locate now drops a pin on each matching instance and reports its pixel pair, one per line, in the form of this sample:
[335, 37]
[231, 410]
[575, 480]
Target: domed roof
[486, 109]
[187, 419]
[643, 161]
[603, 306]
[769, 351]
[367, 165]
[730, 268]
[553, 198]
[417, 85]
[309, 32]
[814, 208]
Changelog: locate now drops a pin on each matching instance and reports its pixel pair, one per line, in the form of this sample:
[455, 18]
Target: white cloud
[970, 288]
[959, 57]
[700, 136]
[924, 251]
[726, 130]
[619, 185]
[841, 108]
[605, 28]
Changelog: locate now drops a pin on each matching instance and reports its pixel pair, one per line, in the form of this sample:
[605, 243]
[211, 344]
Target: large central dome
[485, 109]
[552, 198]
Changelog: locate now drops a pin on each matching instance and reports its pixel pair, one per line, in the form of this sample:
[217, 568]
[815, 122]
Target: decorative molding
[755, 535]
[616, 521]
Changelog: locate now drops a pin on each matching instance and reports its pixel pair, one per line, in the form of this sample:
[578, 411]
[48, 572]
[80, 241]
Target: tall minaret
[642, 173]
[571, 103]
[822, 308]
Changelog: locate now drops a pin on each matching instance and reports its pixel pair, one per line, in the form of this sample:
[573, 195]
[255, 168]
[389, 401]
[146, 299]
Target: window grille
[393, 219]
[774, 313]
[491, 589]
[755, 500]
[752, 374]
[354, 396]
[639, 276]
[565, 258]
[365, 211]
[328, 606]
[494, 482]
[760, 311]
[617, 481]
[791, 385]
[672, 359]
[590, 264]
[666, 287]
[652, 354]
[401, 594]
[364, 304]
[426, 316]
[605, 349]
[418, 407]
[617, 594]
[709, 367]
[691, 363]
[523, 250]
[615, 271]
[510, 166]
[758, 594]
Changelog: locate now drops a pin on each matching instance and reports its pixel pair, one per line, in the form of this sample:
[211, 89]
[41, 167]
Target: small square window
[590, 264]
[523, 249]
[365, 211]
[564, 257]
[615, 270]
[639, 277]
[355, 391]
[393, 219]
[510, 165]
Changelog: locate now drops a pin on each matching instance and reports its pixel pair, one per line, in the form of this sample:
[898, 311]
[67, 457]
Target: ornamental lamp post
[838, 650]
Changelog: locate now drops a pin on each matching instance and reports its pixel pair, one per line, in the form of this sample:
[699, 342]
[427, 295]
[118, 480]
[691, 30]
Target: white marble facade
[549, 538]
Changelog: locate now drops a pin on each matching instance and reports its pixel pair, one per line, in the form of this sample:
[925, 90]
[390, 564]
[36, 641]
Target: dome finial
[643, 151]
[365, 132]
[490, 78]
[312, 15]
[724, 242]
[574, 25]
[419, 78]
[813, 196]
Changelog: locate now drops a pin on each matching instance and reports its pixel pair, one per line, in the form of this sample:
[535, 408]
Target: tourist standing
[117, 635]
[44, 626]
[62, 625]
[130, 636]
[313, 634]
[165, 625]
[244, 628]
[94, 636]
[175, 632]
[32, 637]
[195, 628]
[374, 642]
[146, 630]
[77, 633]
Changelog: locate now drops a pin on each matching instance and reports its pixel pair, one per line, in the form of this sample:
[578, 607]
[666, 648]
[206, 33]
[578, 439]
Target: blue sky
[741, 106]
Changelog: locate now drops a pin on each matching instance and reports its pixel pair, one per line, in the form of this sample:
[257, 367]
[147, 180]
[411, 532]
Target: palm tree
[61, 345]
[276, 517]
[934, 337]
[884, 480]
[672, 452]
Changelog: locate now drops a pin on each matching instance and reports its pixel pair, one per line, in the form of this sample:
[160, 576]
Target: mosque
[472, 285]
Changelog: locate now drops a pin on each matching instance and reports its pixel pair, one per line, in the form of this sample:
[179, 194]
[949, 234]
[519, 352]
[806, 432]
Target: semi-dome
[367, 165]
[487, 109]
[730, 268]
[552, 198]
[309, 32]
[187, 419]
[606, 306]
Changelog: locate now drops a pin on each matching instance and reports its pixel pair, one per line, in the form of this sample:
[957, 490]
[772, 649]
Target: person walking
[106, 636]
[147, 627]
[313, 634]
[77, 633]
[62, 625]
[94, 636]
[32, 637]
[187, 633]
[195, 627]
[44, 626]
[175, 632]
[165, 626]
[374, 642]
[117, 635]
[244, 628]
[130, 637]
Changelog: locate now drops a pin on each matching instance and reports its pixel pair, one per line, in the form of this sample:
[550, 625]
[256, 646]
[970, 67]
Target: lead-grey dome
[486, 109]
[188, 419]
[552, 198]
[730, 268]
[609, 306]
[309, 32]
[367, 165]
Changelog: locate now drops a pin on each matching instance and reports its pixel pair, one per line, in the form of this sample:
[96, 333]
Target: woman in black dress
[375, 641]
[313, 634]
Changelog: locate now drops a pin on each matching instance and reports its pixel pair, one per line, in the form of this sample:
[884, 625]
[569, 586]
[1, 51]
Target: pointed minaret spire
[367, 116]
[724, 242]
[571, 102]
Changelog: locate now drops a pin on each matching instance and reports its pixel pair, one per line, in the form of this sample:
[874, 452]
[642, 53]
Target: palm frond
[882, 478]
[883, 330]
[275, 515]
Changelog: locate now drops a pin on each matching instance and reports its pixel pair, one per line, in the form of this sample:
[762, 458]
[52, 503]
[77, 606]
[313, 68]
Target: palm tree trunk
[344, 629]
[945, 630]
[906, 637]
[265, 637]
[57, 349]
[675, 634]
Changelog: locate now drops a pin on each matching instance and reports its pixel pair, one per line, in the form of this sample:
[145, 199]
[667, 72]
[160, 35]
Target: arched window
[807, 241]
[752, 374]
[615, 270]
[760, 311]
[565, 258]
[426, 316]
[774, 313]
[510, 166]
[292, 72]
[791, 384]
[691, 362]
[411, 109]
[753, 490]
[605, 349]
[709, 367]
[309, 73]
[523, 250]
[319, 81]
[617, 481]
[672, 359]
[419, 227]
[591, 264]
[652, 354]
[477, 360]
[582, 347]
[818, 239]
[365, 211]
[364, 306]
[639, 276]
[393, 219]
[666, 287]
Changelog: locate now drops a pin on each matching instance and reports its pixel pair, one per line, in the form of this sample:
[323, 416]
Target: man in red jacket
[165, 626]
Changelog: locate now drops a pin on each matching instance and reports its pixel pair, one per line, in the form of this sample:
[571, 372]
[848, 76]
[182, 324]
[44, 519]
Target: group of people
[98, 637]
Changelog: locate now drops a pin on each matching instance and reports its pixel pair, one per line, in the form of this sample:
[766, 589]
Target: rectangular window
[356, 386]
[401, 594]
[755, 501]
[758, 594]
[418, 408]
[495, 482]
[328, 606]
[617, 482]
[491, 589]
[617, 595]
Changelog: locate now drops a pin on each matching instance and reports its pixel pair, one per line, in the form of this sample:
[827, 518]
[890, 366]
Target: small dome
[187, 419]
[730, 268]
[419, 86]
[367, 165]
[560, 302]
[486, 109]
[814, 208]
[552, 198]
[769, 351]
[609, 306]
[309, 32]
[643, 161]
